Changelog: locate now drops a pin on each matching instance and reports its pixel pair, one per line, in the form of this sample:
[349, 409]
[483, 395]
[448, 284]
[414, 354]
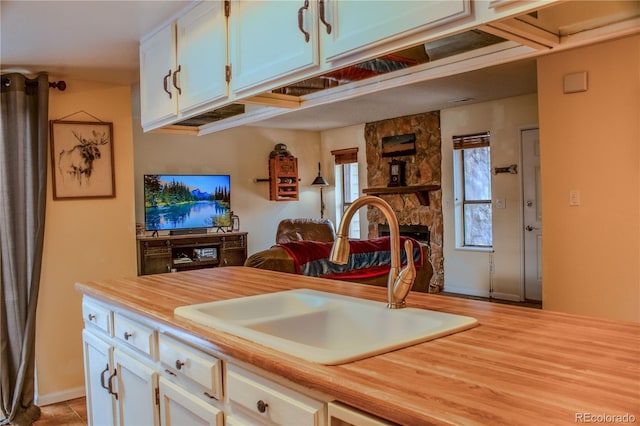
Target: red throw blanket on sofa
[367, 258]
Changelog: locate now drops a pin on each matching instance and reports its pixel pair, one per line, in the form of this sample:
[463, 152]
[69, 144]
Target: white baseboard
[506, 296]
[482, 293]
[467, 291]
[65, 395]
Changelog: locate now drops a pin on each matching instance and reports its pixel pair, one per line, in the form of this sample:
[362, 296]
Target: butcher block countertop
[518, 366]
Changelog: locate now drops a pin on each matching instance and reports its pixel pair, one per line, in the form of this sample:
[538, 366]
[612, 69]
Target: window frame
[461, 144]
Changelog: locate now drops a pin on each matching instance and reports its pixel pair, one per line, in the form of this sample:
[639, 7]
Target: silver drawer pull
[262, 406]
[179, 364]
[127, 335]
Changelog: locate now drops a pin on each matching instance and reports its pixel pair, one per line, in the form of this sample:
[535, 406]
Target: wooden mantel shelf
[421, 191]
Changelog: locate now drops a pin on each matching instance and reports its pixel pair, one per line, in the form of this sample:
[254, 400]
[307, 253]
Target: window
[472, 185]
[347, 186]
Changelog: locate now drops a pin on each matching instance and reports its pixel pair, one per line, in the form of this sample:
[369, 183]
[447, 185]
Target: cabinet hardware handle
[175, 79]
[91, 317]
[166, 84]
[110, 385]
[179, 364]
[301, 20]
[262, 406]
[322, 17]
[106, 369]
[166, 370]
[208, 395]
[127, 335]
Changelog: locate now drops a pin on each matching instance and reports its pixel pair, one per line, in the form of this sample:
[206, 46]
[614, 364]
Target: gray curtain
[23, 186]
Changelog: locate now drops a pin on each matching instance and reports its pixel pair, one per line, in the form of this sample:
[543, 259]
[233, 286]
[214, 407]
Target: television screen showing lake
[187, 215]
[186, 201]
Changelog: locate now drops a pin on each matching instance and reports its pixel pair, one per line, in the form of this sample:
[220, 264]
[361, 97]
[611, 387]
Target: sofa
[303, 246]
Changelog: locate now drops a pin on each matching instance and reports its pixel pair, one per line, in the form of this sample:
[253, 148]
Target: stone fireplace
[421, 168]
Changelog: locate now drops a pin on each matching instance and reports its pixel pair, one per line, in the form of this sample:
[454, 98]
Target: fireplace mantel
[421, 191]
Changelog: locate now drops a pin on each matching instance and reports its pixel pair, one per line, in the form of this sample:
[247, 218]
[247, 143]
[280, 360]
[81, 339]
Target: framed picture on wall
[82, 160]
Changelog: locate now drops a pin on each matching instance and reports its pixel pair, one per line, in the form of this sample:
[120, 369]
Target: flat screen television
[184, 204]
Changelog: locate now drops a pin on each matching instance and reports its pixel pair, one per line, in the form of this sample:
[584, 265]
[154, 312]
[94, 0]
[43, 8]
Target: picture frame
[82, 160]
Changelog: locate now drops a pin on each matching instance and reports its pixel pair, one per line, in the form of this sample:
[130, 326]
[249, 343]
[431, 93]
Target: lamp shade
[319, 180]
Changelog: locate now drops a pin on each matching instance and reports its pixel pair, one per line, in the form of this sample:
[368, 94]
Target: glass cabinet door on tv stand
[173, 253]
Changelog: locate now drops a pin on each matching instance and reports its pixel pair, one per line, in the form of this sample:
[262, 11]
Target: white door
[178, 407]
[137, 385]
[532, 214]
[98, 367]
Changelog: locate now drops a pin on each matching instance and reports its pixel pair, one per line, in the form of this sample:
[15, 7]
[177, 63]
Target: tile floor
[68, 413]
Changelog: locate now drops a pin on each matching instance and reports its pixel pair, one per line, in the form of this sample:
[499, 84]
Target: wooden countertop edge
[344, 382]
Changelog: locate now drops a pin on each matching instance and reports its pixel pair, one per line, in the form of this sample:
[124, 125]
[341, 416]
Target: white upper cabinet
[351, 27]
[283, 41]
[269, 40]
[158, 98]
[182, 66]
[202, 55]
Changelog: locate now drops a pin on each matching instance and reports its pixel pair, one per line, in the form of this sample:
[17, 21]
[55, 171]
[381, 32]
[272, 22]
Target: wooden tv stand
[165, 253]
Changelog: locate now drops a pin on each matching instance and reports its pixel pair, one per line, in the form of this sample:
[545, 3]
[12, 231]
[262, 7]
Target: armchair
[292, 232]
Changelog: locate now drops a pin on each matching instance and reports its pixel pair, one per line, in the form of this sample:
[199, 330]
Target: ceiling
[99, 40]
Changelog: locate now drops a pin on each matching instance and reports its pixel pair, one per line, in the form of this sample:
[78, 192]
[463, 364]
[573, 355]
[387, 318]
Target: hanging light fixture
[320, 181]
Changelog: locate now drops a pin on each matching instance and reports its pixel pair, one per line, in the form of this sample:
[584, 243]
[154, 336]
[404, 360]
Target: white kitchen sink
[324, 327]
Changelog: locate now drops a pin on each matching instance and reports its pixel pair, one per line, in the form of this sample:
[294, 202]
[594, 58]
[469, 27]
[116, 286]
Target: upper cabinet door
[269, 40]
[158, 97]
[362, 25]
[202, 55]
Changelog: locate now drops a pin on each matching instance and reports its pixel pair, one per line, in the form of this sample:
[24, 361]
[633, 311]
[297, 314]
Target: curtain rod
[60, 85]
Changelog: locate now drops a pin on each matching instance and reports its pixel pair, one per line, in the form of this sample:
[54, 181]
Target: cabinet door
[137, 386]
[98, 366]
[359, 25]
[158, 97]
[202, 55]
[266, 42]
[178, 407]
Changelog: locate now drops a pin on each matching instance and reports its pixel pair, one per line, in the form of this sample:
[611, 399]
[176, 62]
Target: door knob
[529, 203]
[530, 228]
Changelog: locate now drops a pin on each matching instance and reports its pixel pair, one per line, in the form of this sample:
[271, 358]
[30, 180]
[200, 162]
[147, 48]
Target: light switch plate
[575, 82]
[574, 198]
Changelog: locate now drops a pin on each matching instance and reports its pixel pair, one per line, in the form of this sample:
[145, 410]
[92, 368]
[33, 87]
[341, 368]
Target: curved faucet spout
[399, 282]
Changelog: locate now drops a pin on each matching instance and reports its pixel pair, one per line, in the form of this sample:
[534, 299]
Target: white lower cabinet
[98, 367]
[137, 391]
[270, 403]
[179, 407]
[342, 415]
[138, 376]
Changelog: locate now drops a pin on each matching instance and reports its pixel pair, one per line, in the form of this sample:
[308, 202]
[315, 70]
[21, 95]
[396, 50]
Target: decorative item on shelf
[396, 173]
[235, 222]
[139, 229]
[283, 175]
[280, 150]
[320, 181]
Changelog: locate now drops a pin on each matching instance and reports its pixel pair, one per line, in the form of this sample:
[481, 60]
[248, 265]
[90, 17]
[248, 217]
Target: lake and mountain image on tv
[186, 201]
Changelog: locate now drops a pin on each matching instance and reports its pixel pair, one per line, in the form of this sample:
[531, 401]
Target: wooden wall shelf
[421, 191]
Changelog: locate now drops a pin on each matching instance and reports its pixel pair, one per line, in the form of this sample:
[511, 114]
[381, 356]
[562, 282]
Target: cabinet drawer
[97, 315]
[271, 401]
[185, 361]
[134, 334]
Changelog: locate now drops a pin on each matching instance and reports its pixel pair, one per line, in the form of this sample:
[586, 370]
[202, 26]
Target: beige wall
[84, 240]
[342, 138]
[467, 271]
[589, 143]
[243, 153]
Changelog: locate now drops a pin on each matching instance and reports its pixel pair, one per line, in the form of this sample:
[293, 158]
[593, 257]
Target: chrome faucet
[399, 282]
